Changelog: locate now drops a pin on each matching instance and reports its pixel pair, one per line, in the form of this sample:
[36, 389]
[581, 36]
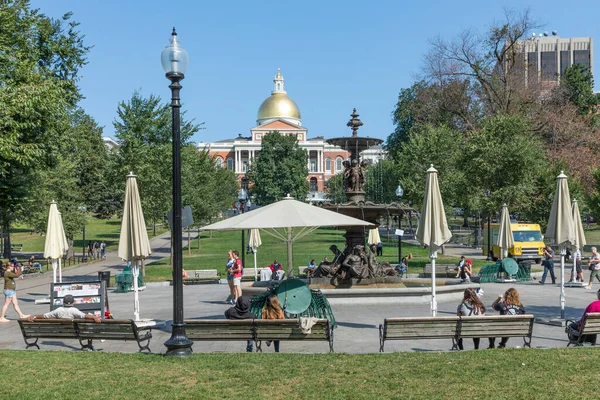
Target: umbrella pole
[59, 270]
[136, 301]
[254, 252]
[54, 262]
[562, 281]
[432, 257]
[290, 272]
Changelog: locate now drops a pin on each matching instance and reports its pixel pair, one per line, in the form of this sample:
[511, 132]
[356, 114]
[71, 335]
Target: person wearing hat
[67, 311]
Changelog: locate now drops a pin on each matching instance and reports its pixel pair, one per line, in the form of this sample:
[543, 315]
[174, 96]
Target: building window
[313, 166]
[313, 184]
[338, 164]
[549, 67]
[258, 136]
[219, 162]
[244, 166]
[582, 57]
[299, 136]
[328, 164]
[230, 164]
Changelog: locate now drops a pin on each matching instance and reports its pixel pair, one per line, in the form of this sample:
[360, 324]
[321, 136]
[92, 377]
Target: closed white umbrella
[433, 227]
[134, 245]
[561, 229]
[53, 248]
[374, 237]
[254, 242]
[65, 245]
[580, 241]
[505, 234]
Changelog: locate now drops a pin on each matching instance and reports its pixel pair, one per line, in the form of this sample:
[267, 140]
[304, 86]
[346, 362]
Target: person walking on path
[103, 250]
[10, 291]
[229, 268]
[90, 249]
[548, 264]
[509, 304]
[594, 266]
[471, 305]
[66, 311]
[241, 310]
[273, 310]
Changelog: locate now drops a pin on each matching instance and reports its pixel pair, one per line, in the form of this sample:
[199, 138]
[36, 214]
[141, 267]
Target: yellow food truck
[529, 242]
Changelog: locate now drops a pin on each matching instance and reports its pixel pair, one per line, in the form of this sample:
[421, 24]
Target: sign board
[399, 232]
[89, 296]
[186, 217]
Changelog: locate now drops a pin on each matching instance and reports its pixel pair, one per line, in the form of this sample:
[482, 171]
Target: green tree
[41, 58]
[336, 193]
[577, 84]
[280, 169]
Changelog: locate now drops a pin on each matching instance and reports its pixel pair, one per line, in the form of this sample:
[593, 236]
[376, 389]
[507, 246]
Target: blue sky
[334, 55]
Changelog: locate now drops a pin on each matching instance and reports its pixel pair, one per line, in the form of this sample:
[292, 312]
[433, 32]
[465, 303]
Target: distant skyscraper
[546, 58]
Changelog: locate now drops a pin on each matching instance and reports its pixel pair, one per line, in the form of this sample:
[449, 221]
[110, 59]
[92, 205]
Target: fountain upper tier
[354, 144]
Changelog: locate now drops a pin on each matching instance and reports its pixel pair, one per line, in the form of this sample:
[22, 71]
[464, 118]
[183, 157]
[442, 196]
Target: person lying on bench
[66, 311]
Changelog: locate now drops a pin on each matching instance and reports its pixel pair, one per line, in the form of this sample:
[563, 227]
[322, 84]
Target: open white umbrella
[254, 242]
[65, 245]
[505, 234]
[580, 241]
[433, 228]
[374, 237]
[134, 245]
[287, 220]
[53, 248]
[561, 229]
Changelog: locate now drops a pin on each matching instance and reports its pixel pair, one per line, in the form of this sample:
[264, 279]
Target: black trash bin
[104, 276]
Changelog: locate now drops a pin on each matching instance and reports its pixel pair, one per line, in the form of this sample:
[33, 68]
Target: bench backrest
[289, 329]
[204, 273]
[219, 329]
[107, 329]
[591, 324]
[420, 327]
[249, 271]
[48, 328]
[496, 326]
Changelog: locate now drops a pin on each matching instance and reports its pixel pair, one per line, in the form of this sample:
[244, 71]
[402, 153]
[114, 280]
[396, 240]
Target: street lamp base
[178, 345]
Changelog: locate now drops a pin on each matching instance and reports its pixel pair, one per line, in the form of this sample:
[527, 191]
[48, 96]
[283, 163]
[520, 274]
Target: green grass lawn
[485, 374]
[213, 252]
[95, 229]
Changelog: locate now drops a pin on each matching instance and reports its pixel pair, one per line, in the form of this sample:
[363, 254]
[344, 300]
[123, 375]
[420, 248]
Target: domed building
[279, 112]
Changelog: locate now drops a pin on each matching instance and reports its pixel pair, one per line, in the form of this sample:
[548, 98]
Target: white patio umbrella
[53, 248]
[254, 242]
[65, 245]
[505, 234]
[134, 245]
[433, 228]
[561, 229]
[287, 220]
[580, 241]
[374, 237]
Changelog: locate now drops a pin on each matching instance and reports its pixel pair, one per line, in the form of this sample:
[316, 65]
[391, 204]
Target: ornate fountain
[356, 206]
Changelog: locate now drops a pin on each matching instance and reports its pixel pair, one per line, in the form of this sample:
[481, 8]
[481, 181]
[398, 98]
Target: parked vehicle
[529, 242]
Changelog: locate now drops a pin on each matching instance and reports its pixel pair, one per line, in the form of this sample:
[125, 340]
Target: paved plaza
[357, 330]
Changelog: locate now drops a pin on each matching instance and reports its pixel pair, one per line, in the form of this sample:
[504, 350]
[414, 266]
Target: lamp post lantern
[174, 61]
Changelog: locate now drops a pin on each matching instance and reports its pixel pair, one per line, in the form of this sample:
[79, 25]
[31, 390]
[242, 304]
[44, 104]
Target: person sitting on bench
[66, 311]
[593, 307]
[276, 271]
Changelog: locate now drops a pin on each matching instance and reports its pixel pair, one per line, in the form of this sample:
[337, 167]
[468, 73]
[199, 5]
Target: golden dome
[278, 105]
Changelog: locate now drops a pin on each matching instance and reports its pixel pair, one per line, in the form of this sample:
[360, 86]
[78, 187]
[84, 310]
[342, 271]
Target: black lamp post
[243, 197]
[174, 61]
[399, 193]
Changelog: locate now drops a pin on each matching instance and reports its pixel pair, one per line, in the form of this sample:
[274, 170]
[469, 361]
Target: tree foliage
[280, 169]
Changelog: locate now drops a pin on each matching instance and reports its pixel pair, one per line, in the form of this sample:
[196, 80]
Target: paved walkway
[357, 330]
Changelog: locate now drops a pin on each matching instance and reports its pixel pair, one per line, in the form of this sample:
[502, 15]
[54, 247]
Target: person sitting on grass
[67, 311]
[402, 268]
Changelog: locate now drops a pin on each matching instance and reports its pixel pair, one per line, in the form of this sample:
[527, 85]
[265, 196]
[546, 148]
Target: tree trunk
[7, 251]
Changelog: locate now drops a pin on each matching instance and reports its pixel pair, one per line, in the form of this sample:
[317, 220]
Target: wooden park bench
[441, 269]
[303, 271]
[413, 328]
[84, 330]
[496, 326]
[256, 330]
[16, 246]
[202, 276]
[589, 326]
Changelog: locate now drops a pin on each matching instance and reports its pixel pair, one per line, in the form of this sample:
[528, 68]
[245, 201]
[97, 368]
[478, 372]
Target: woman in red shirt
[237, 272]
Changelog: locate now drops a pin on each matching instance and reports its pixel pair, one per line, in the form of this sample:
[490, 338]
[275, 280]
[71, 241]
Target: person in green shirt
[10, 291]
